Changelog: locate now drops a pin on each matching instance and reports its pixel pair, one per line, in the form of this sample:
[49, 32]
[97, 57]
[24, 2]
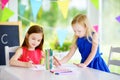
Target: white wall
[95, 16]
[13, 5]
[92, 13]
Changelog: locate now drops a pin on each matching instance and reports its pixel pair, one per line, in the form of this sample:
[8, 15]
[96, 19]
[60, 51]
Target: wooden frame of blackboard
[19, 24]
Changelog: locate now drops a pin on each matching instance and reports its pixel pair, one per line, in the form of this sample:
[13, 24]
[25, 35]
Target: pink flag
[96, 28]
[4, 2]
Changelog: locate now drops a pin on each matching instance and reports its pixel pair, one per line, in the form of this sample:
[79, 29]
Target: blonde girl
[86, 40]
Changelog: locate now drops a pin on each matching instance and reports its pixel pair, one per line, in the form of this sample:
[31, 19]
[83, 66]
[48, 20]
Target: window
[51, 18]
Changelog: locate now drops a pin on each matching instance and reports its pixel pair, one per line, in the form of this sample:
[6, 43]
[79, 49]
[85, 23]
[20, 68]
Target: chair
[9, 52]
[111, 61]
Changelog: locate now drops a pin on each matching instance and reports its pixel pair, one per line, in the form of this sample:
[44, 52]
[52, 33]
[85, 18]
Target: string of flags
[36, 4]
[6, 13]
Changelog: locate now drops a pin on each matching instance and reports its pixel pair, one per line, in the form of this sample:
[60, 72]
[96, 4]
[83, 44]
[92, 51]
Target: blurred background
[55, 17]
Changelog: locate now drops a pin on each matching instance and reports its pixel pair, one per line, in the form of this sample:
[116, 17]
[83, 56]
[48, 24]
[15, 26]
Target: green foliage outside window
[51, 20]
[56, 46]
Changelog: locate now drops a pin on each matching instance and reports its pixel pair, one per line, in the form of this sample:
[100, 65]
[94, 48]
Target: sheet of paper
[38, 67]
[68, 66]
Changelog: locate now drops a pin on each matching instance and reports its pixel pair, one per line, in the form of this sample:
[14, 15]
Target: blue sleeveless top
[84, 47]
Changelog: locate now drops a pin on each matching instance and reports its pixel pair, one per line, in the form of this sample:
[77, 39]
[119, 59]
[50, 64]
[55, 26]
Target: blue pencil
[57, 73]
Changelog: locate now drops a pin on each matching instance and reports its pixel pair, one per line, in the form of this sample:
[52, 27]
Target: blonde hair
[83, 20]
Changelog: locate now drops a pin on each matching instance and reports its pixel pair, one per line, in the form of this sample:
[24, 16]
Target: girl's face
[79, 30]
[34, 40]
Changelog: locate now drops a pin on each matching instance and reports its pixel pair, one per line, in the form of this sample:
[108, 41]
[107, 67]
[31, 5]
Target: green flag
[95, 3]
[6, 14]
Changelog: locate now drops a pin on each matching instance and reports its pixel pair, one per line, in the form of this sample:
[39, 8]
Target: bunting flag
[6, 14]
[0, 14]
[95, 3]
[32, 23]
[4, 2]
[40, 13]
[118, 18]
[96, 28]
[64, 7]
[21, 9]
[35, 4]
[62, 33]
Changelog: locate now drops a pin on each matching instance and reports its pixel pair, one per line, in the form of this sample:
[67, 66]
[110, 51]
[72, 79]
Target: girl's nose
[76, 33]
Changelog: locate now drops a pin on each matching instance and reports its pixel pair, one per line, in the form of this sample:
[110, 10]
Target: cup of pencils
[48, 59]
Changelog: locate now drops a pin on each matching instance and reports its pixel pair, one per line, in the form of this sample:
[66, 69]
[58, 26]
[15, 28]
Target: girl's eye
[39, 40]
[33, 38]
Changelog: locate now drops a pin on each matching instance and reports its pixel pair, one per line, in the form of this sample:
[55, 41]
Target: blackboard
[10, 35]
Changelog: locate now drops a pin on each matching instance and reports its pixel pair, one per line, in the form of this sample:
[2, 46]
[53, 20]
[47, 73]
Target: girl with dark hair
[31, 51]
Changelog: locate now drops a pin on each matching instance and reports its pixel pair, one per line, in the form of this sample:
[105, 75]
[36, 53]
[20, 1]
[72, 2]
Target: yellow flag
[32, 23]
[63, 5]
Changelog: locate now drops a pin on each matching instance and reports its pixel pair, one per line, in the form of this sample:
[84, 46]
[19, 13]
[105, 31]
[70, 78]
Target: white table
[18, 73]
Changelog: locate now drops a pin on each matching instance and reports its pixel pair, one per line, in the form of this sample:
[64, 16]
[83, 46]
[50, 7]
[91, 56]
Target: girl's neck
[82, 36]
[31, 48]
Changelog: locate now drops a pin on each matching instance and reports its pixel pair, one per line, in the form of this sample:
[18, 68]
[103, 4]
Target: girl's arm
[43, 58]
[69, 55]
[93, 50]
[43, 54]
[15, 62]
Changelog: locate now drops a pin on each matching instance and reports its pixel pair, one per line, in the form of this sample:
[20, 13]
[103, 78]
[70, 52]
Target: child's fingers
[29, 64]
[30, 61]
[56, 60]
[80, 65]
[75, 64]
[56, 63]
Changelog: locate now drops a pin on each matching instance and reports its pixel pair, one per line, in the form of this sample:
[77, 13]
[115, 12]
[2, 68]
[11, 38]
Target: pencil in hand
[57, 63]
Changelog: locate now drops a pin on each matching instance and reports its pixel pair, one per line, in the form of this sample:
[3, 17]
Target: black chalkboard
[10, 35]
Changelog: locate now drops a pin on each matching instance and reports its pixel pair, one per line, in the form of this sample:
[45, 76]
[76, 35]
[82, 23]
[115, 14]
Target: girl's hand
[80, 65]
[30, 64]
[56, 61]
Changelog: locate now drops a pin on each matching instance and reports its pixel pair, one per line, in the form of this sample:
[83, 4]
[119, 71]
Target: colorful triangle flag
[35, 4]
[6, 14]
[32, 23]
[0, 14]
[118, 18]
[62, 33]
[95, 3]
[96, 28]
[21, 9]
[4, 2]
[64, 7]
[40, 13]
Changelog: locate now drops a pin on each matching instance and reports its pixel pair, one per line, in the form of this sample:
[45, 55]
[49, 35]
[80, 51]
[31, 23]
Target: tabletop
[18, 73]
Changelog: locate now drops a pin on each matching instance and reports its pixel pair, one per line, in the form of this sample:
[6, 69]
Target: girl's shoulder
[95, 38]
[19, 50]
[95, 35]
[22, 49]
